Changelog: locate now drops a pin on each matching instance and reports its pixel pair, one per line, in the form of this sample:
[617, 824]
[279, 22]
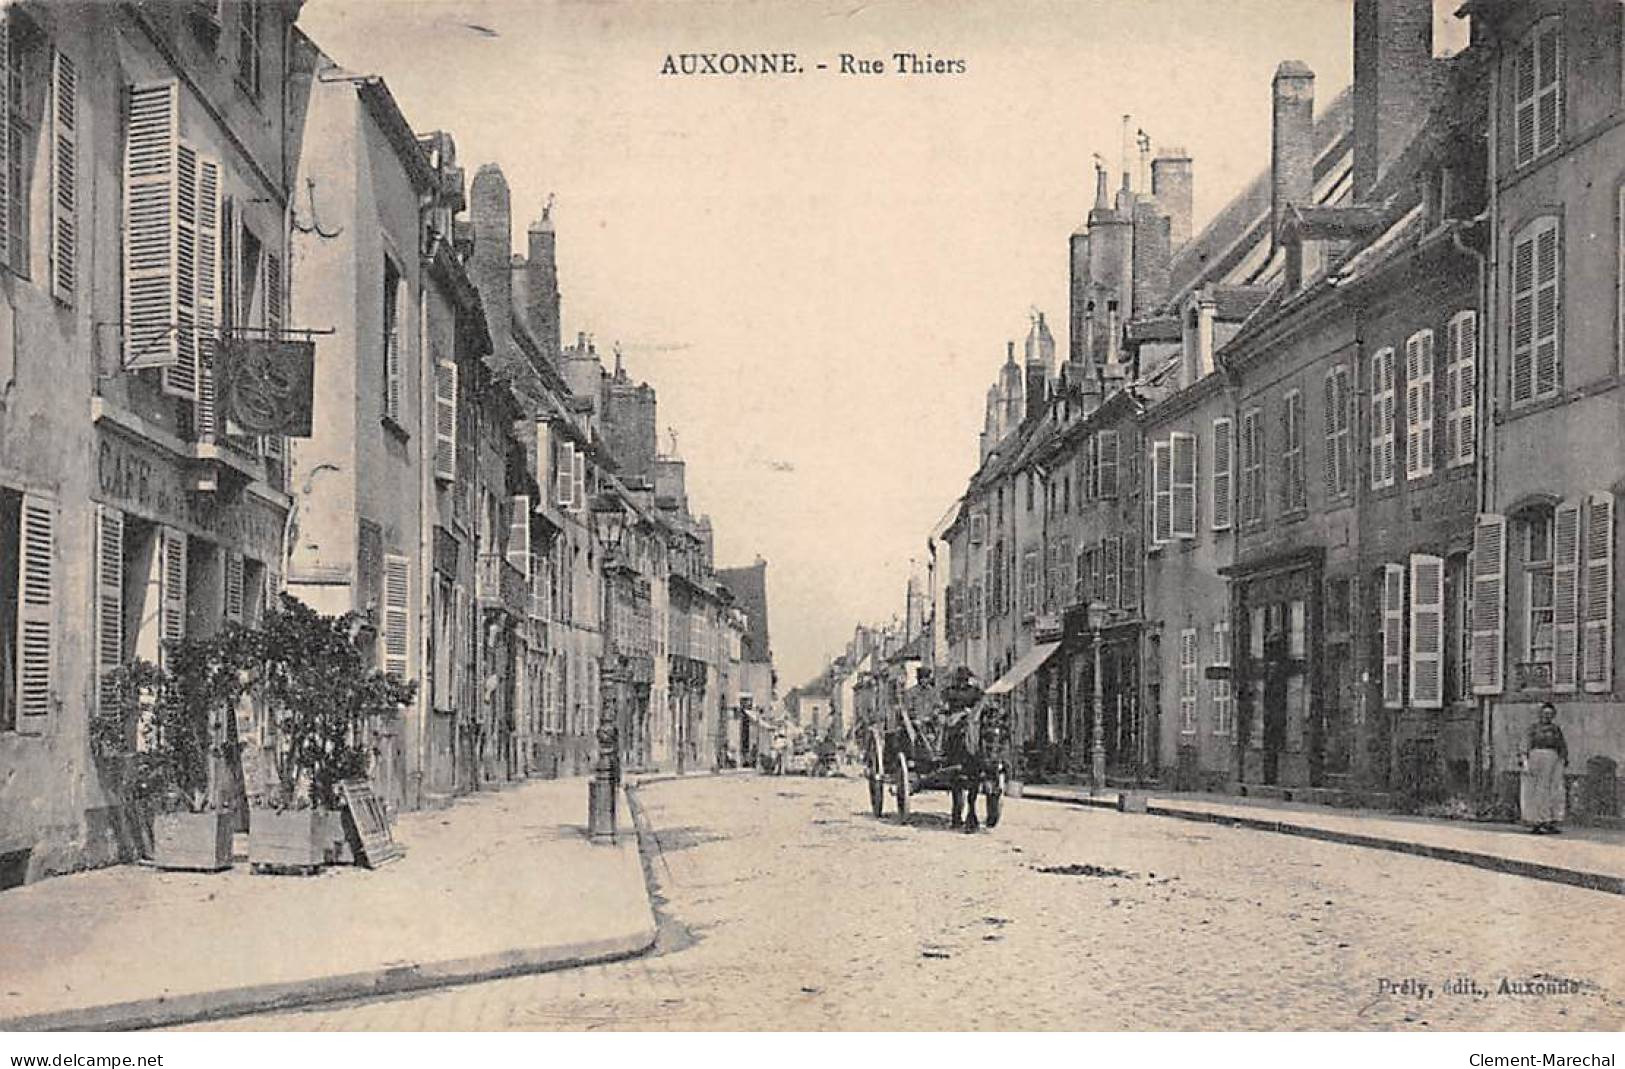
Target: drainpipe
[1489, 372]
[426, 448]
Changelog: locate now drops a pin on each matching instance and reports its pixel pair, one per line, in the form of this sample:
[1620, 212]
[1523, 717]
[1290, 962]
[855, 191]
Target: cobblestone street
[786, 906]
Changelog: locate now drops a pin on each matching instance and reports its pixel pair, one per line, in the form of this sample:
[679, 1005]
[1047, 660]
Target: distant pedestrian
[1541, 797]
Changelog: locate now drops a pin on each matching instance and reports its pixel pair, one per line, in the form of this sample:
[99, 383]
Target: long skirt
[1540, 795]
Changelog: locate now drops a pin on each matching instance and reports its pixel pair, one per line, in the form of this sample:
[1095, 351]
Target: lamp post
[609, 520]
[1097, 753]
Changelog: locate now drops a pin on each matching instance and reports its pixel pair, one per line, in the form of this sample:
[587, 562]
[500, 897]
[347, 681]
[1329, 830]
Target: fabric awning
[1025, 665]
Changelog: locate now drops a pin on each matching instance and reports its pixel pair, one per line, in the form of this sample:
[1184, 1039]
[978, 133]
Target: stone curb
[1591, 881]
[395, 979]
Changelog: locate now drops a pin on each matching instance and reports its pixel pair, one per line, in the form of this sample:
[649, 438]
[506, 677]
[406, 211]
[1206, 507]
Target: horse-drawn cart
[950, 742]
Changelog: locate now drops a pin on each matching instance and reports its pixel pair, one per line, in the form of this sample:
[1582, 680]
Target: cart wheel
[904, 784]
[995, 802]
[877, 794]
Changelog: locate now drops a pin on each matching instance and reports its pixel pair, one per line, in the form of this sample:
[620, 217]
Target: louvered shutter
[1489, 603]
[182, 378]
[579, 493]
[1182, 450]
[1187, 679]
[149, 227]
[1565, 596]
[208, 290]
[1524, 83]
[1223, 476]
[64, 179]
[171, 589]
[1427, 631]
[392, 355]
[6, 105]
[544, 461]
[1337, 426]
[1548, 360]
[109, 599]
[519, 534]
[1382, 419]
[567, 477]
[1162, 492]
[273, 445]
[36, 615]
[1107, 463]
[235, 592]
[1419, 405]
[1393, 636]
[1091, 468]
[1249, 489]
[1461, 387]
[1111, 572]
[1599, 593]
[1522, 383]
[397, 614]
[445, 421]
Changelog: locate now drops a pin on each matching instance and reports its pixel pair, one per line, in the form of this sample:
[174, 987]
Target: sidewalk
[499, 884]
[1584, 857]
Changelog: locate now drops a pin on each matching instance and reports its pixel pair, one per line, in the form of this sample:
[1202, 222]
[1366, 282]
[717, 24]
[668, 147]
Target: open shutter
[1427, 631]
[235, 594]
[519, 534]
[1548, 356]
[1419, 405]
[566, 475]
[1489, 603]
[1522, 383]
[64, 179]
[445, 421]
[6, 103]
[1107, 461]
[1393, 636]
[1223, 473]
[1162, 493]
[1565, 597]
[544, 461]
[36, 615]
[109, 598]
[149, 227]
[1183, 501]
[172, 589]
[1599, 593]
[1524, 82]
[397, 614]
[1461, 431]
[207, 301]
[181, 379]
[580, 491]
[273, 445]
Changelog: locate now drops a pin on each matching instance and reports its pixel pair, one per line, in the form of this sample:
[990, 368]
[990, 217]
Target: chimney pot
[1292, 142]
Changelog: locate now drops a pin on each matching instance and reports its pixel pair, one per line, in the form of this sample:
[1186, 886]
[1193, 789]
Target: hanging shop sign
[269, 385]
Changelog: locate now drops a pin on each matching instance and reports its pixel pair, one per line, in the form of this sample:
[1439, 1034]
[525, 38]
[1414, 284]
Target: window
[1539, 640]
[1182, 467]
[1538, 84]
[1223, 456]
[1293, 491]
[23, 59]
[1336, 610]
[392, 341]
[1106, 463]
[1029, 582]
[1089, 486]
[1537, 359]
[1458, 646]
[1187, 681]
[1419, 405]
[1339, 438]
[1382, 419]
[1252, 466]
[249, 47]
[1427, 632]
[1162, 493]
[1223, 711]
[1461, 388]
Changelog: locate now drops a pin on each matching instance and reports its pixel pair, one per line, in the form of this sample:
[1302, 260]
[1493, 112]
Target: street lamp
[1097, 753]
[609, 521]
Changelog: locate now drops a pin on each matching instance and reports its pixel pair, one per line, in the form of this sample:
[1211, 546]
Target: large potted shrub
[321, 696]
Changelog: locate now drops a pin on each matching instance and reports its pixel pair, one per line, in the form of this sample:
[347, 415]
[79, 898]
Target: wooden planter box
[196, 841]
[290, 840]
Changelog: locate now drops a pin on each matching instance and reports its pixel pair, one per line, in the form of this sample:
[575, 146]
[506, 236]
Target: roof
[380, 104]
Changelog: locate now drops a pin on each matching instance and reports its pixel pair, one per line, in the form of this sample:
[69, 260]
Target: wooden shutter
[64, 179]
[1107, 463]
[1548, 357]
[1091, 468]
[1182, 451]
[1419, 405]
[1249, 442]
[1336, 409]
[1599, 593]
[36, 615]
[235, 593]
[1538, 87]
[6, 105]
[519, 534]
[1461, 388]
[392, 351]
[1565, 596]
[109, 599]
[1223, 474]
[181, 379]
[1111, 571]
[397, 614]
[1427, 631]
[1162, 492]
[1524, 85]
[1393, 636]
[1489, 603]
[445, 421]
[149, 226]
[1522, 381]
[171, 589]
[544, 462]
[567, 477]
[580, 491]
[207, 300]
[1187, 680]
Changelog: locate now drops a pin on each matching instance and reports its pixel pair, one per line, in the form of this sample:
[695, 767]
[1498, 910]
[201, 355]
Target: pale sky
[819, 273]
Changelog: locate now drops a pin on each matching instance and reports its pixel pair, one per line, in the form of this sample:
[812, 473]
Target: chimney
[1078, 269]
[1292, 141]
[1393, 66]
[1171, 185]
[1152, 255]
[542, 283]
[492, 217]
[1010, 385]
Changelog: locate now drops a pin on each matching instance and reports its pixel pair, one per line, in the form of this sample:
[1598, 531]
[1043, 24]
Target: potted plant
[322, 695]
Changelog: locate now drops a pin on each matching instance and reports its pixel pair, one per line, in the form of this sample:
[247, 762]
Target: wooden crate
[193, 841]
[291, 840]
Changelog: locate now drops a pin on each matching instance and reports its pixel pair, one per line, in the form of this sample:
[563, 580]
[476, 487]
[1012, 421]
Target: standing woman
[1541, 794]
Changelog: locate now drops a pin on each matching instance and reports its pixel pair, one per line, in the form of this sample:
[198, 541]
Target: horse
[972, 748]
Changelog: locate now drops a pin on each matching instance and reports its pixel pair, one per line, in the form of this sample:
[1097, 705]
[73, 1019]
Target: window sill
[395, 430]
[1558, 399]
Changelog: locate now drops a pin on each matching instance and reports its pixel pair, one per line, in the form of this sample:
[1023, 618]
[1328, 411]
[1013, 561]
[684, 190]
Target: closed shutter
[1462, 389]
[207, 300]
[1182, 448]
[392, 348]
[1162, 493]
[1110, 571]
[172, 589]
[1382, 419]
[1539, 87]
[64, 179]
[1107, 461]
[109, 599]
[235, 592]
[544, 461]
[149, 227]
[1548, 366]
[1565, 597]
[1489, 603]
[1427, 631]
[36, 615]
[1248, 420]
[445, 421]
[519, 534]
[1294, 482]
[1536, 368]
[1187, 680]
[1599, 593]
[1393, 636]
[567, 478]
[1337, 426]
[1223, 476]
[1419, 405]
[397, 614]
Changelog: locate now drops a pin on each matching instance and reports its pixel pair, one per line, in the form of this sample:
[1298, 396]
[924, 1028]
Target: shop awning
[751, 714]
[1025, 666]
